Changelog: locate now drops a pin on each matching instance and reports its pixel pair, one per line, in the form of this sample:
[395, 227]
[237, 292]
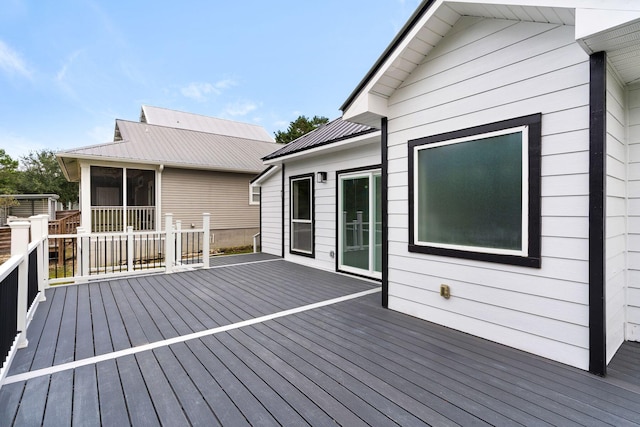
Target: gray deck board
[84, 327]
[164, 400]
[137, 396]
[351, 363]
[86, 409]
[65, 345]
[113, 409]
[116, 328]
[225, 411]
[60, 400]
[251, 409]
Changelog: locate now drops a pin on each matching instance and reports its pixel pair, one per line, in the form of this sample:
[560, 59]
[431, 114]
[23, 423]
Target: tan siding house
[222, 194]
[150, 170]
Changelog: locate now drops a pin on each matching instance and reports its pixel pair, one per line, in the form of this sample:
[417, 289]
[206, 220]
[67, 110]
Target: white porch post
[40, 231]
[84, 247]
[130, 248]
[85, 196]
[169, 243]
[206, 221]
[19, 246]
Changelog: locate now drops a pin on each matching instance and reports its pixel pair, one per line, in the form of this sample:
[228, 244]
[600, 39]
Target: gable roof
[334, 131]
[189, 121]
[600, 25]
[143, 143]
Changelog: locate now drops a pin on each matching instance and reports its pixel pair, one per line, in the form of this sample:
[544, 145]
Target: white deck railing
[110, 219]
[87, 256]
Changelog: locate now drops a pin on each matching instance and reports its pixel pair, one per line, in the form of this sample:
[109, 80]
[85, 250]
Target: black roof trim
[264, 172]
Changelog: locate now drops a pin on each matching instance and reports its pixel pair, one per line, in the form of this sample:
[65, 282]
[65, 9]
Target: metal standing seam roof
[145, 143]
[183, 120]
[335, 130]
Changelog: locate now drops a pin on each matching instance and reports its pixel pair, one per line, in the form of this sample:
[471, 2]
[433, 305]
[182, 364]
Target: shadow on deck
[171, 349]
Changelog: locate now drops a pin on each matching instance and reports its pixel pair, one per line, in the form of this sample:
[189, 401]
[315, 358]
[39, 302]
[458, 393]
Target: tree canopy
[299, 127]
[36, 173]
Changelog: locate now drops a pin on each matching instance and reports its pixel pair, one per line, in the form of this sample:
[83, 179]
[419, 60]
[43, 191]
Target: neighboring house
[150, 170]
[509, 174]
[29, 205]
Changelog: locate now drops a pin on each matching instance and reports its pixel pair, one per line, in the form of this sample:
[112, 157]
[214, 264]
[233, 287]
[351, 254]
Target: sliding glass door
[360, 223]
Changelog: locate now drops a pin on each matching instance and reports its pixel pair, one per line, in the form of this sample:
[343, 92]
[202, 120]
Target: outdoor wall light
[321, 177]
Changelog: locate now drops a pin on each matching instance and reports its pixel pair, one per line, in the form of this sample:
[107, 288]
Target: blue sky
[69, 68]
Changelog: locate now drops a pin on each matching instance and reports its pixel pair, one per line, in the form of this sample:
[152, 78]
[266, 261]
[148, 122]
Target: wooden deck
[349, 363]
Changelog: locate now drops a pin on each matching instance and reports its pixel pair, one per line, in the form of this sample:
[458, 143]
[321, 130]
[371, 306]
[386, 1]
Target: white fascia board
[590, 22]
[368, 102]
[569, 4]
[258, 181]
[132, 163]
[336, 146]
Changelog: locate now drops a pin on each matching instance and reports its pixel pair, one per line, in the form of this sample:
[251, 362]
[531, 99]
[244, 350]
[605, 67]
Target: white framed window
[475, 193]
[254, 194]
[302, 215]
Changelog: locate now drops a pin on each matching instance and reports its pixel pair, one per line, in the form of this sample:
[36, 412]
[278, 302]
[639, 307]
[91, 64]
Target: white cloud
[240, 108]
[11, 62]
[62, 72]
[18, 146]
[100, 134]
[199, 91]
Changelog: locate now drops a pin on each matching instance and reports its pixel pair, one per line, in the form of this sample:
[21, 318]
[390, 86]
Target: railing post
[178, 237]
[39, 232]
[130, 248]
[19, 246]
[169, 243]
[206, 221]
[84, 249]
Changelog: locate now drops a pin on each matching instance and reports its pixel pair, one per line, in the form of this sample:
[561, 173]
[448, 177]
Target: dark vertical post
[385, 213]
[282, 193]
[597, 213]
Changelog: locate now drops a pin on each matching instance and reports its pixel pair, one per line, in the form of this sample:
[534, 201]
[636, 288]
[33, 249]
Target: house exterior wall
[616, 211]
[29, 207]
[325, 199]
[271, 205]
[187, 194]
[633, 209]
[485, 71]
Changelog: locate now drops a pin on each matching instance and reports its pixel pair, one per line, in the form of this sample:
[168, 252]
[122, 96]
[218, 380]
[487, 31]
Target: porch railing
[87, 256]
[22, 284]
[110, 219]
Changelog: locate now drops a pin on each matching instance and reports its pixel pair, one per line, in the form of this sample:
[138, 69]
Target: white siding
[633, 209]
[486, 71]
[271, 216]
[616, 211]
[325, 199]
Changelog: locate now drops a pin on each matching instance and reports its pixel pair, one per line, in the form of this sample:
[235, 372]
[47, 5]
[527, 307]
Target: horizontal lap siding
[633, 209]
[271, 205]
[325, 199]
[187, 194]
[616, 211]
[485, 71]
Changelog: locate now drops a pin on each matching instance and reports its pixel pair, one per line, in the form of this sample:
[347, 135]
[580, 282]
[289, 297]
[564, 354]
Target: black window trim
[311, 177]
[533, 256]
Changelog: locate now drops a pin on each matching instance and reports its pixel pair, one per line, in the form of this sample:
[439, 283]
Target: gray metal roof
[182, 120]
[150, 144]
[334, 131]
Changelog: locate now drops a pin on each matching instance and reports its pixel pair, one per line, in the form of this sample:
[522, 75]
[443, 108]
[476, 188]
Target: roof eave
[329, 146]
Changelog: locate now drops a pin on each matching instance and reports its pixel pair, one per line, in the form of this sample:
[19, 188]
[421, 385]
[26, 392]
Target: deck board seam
[183, 338]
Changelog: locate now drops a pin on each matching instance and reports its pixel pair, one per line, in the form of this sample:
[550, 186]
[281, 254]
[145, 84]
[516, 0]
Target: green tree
[8, 173]
[299, 127]
[41, 174]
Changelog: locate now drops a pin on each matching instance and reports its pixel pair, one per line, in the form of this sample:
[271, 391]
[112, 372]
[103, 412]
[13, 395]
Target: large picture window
[475, 193]
[301, 231]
